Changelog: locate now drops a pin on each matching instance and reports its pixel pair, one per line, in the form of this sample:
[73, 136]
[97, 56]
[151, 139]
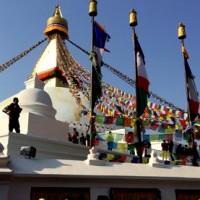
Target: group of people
[76, 139]
[143, 148]
[179, 152]
[183, 151]
[167, 149]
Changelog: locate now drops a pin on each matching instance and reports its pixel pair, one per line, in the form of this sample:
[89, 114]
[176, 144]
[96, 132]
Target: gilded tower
[47, 67]
[58, 69]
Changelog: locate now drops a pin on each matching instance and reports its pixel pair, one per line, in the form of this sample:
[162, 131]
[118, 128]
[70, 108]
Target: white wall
[46, 148]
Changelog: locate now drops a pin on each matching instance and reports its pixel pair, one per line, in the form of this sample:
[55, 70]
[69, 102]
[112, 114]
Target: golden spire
[57, 23]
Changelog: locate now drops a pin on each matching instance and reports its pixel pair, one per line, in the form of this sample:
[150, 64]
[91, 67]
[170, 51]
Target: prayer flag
[99, 39]
[142, 78]
[193, 100]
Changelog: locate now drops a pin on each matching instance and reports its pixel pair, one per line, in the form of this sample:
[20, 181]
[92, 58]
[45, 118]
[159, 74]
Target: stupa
[60, 169]
[47, 102]
[53, 68]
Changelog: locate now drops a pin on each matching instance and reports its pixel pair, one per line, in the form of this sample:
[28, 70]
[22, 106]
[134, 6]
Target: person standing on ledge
[13, 110]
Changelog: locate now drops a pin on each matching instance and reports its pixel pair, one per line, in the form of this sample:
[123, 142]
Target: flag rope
[129, 80]
[21, 55]
[122, 76]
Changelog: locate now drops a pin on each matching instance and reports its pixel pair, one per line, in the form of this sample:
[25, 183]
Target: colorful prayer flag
[99, 119]
[119, 121]
[109, 120]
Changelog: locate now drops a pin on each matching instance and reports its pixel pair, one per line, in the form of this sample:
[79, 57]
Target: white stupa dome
[35, 100]
[34, 96]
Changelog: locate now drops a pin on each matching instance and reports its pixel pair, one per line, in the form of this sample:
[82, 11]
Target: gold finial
[57, 12]
[133, 18]
[93, 8]
[57, 23]
[181, 31]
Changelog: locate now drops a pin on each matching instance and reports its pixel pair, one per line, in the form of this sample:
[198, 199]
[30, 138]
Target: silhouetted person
[13, 110]
[195, 154]
[165, 149]
[148, 149]
[69, 137]
[170, 147]
[87, 139]
[75, 136]
[82, 139]
[179, 151]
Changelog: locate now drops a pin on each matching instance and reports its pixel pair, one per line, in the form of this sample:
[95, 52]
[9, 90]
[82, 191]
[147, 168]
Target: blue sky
[22, 24]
